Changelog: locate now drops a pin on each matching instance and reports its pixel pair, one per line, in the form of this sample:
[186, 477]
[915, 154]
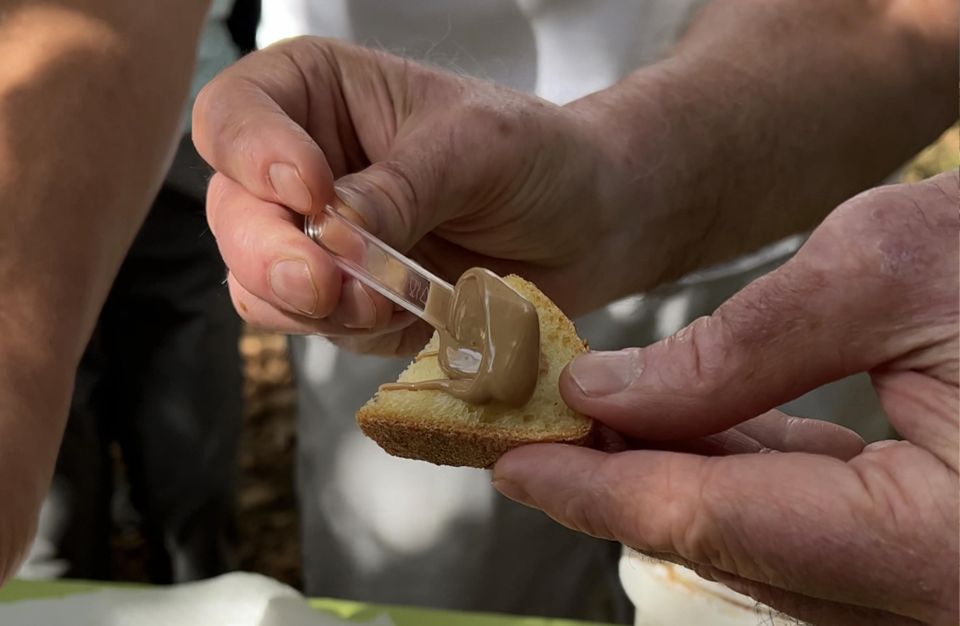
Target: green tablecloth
[352, 611]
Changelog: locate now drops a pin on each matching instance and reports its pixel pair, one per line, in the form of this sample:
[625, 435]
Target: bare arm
[91, 93]
[769, 113]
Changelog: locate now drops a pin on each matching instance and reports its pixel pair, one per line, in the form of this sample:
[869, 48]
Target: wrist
[651, 174]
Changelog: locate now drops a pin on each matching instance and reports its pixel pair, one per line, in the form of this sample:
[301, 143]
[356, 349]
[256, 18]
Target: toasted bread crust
[452, 443]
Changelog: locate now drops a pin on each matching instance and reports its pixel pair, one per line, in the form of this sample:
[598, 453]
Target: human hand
[798, 514]
[455, 171]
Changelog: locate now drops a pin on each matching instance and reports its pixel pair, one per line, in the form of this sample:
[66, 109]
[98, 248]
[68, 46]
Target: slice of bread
[436, 427]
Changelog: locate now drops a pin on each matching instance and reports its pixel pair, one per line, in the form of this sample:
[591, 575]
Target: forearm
[89, 108]
[91, 93]
[768, 114]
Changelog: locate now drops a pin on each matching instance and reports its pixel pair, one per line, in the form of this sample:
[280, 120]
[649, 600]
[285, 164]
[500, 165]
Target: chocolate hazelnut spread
[489, 343]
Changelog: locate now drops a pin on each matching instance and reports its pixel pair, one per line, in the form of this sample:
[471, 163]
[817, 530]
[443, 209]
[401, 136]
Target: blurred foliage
[268, 518]
[940, 156]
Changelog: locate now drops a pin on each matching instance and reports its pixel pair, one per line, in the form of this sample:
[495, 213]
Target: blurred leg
[161, 376]
[177, 414]
[73, 536]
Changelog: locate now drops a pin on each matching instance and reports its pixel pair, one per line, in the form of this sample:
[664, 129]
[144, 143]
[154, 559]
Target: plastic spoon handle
[378, 266]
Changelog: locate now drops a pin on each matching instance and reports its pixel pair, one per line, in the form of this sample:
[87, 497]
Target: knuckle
[696, 356]
[238, 298]
[201, 110]
[708, 347]
[300, 41]
[403, 190]
[895, 233]
[237, 236]
[208, 114]
[690, 530]
[582, 512]
[774, 307]
[215, 192]
[496, 119]
[704, 533]
[205, 97]
[251, 252]
[484, 122]
[221, 132]
[615, 511]
[477, 109]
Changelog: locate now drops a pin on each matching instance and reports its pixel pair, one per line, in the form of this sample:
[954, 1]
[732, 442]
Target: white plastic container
[665, 594]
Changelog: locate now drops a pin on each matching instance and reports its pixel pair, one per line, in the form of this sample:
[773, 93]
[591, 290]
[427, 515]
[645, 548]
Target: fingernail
[289, 187]
[512, 490]
[292, 283]
[606, 373]
[357, 309]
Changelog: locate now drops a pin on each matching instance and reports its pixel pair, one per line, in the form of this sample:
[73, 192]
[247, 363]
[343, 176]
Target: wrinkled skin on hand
[456, 171]
[797, 513]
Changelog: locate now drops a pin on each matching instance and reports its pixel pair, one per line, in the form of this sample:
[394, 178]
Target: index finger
[257, 138]
[779, 519]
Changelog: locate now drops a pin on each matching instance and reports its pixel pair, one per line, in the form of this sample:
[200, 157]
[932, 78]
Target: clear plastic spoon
[378, 266]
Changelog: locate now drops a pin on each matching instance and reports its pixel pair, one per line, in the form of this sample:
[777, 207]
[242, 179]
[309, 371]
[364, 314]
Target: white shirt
[558, 49]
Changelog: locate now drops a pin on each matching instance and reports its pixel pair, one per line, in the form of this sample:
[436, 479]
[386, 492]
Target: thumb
[395, 198]
[867, 287]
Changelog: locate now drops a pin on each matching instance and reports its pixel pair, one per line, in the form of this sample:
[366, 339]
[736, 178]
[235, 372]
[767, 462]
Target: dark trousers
[160, 381]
